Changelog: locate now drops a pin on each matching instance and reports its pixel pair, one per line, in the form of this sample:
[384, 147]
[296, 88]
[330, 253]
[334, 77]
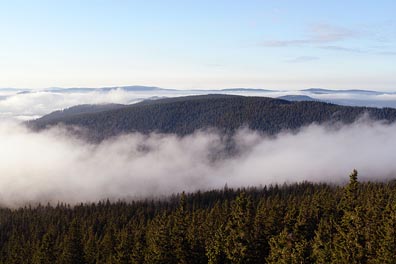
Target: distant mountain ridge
[136, 88]
[351, 97]
[351, 91]
[225, 113]
[297, 98]
[140, 88]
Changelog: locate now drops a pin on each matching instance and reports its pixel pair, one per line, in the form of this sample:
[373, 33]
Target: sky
[206, 44]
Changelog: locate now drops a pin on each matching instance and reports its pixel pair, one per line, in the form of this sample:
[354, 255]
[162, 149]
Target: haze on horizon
[202, 44]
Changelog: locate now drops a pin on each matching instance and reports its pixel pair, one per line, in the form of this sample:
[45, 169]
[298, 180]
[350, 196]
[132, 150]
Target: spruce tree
[73, 252]
[285, 248]
[323, 242]
[46, 253]
[350, 239]
[240, 231]
[179, 237]
[387, 236]
[107, 245]
[90, 248]
[124, 247]
[159, 245]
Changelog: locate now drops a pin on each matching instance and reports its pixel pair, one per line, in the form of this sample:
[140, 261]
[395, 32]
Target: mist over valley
[159, 147]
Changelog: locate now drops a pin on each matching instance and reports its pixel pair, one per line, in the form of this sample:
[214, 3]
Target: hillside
[80, 109]
[299, 223]
[184, 115]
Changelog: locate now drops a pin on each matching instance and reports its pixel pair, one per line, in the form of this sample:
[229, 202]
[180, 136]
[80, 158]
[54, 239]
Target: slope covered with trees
[78, 110]
[299, 223]
[226, 113]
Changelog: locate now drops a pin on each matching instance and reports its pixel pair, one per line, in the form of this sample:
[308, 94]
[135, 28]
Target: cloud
[356, 50]
[317, 34]
[303, 59]
[340, 48]
[387, 53]
[37, 103]
[285, 43]
[53, 166]
[330, 33]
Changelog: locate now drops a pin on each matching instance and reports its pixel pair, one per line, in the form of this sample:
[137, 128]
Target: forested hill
[184, 115]
[80, 109]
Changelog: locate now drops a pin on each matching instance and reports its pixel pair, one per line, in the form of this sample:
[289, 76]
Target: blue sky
[282, 44]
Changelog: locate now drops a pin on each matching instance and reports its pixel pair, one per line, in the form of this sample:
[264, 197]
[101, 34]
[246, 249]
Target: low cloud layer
[34, 104]
[39, 103]
[53, 166]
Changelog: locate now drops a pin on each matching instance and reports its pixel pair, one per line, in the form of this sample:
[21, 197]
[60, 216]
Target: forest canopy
[297, 223]
[186, 115]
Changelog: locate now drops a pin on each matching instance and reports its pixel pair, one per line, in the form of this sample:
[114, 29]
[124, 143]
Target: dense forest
[226, 113]
[298, 223]
[78, 110]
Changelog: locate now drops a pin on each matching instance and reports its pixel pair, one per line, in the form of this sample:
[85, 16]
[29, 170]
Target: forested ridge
[298, 223]
[226, 113]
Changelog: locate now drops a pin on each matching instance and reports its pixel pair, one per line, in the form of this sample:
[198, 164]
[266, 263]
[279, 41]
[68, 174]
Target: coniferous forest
[185, 115]
[298, 223]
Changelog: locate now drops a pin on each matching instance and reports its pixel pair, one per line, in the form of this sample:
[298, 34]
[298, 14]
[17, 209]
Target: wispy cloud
[303, 59]
[340, 48]
[285, 43]
[356, 50]
[387, 53]
[330, 33]
[317, 34]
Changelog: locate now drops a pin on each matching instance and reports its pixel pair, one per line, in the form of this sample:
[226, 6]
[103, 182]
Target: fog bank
[24, 105]
[53, 166]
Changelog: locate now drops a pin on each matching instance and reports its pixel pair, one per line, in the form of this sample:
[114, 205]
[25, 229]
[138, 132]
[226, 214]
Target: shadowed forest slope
[226, 113]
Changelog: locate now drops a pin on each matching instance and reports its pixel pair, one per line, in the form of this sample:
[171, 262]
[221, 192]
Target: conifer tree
[240, 231]
[286, 249]
[139, 243]
[90, 248]
[159, 246]
[261, 236]
[215, 247]
[179, 237]
[323, 242]
[351, 192]
[350, 238]
[46, 252]
[124, 247]
[215, 233]
[197, 238]
[16, 250]
[72, 247]
[107, 245]
[387, 236]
